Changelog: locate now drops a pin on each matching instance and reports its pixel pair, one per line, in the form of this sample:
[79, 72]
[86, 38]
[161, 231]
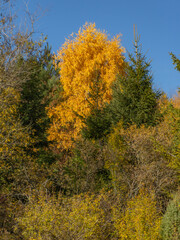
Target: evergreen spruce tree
[97, 124]
[41, 88]
[176, 62]
[170, 226]
[134, 99]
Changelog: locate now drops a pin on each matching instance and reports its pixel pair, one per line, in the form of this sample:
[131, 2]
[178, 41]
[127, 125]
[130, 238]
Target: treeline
[88, 148]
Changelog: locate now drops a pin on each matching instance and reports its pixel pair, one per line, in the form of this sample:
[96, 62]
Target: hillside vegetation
[88, 148]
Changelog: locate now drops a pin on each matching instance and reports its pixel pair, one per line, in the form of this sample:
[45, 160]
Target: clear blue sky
[157, 21]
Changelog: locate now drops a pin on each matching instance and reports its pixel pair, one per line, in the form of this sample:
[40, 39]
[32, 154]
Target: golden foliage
[176, 101]
[141, 220]
[79, 59]
[47, 217]
[169, 145]
[11, 138]
[14, 138]
[152, 148]
[115, 157]
[143, 157]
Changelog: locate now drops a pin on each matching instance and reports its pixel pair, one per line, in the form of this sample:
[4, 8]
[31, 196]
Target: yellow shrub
[140, 221]
[47, 218]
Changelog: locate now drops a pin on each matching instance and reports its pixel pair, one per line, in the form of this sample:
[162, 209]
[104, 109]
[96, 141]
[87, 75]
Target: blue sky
[157, 21]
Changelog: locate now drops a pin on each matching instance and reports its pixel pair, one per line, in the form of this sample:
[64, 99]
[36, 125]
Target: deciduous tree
[79, 59]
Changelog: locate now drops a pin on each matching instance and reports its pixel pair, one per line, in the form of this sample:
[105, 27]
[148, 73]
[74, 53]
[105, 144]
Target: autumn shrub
[79, 217]
[173, 119]
[14, 139]
[140, 221]
[152, 150]
[118, 160]
[41, 218]
[9, 207]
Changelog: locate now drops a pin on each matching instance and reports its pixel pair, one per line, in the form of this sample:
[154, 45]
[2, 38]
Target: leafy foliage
[75, 218]
[140, 220]
[79, 59]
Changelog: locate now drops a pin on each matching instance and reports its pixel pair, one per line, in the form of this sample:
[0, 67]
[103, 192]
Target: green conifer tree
[170, 226]
[134, 99]
[37, 93]
[176, 61]
[98, 123]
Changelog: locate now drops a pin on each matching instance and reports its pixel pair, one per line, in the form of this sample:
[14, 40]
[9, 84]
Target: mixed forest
[89, 149]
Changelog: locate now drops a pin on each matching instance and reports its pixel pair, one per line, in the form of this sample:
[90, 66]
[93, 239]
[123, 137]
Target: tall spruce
[134, 99]
[37, 93]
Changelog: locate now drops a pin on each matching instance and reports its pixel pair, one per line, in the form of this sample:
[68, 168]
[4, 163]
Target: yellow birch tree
[79, 59]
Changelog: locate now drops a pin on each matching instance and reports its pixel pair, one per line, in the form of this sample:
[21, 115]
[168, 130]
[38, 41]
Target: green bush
[170, 226]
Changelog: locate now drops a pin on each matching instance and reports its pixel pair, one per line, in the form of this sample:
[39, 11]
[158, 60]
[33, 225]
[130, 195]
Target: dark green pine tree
[37, 93]
[134, 99]
[170, 224]
[176, 62]
[97, 124]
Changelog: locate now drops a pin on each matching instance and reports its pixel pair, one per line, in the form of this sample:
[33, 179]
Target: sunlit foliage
[46, 217]
[13, 137]
[110, 164]
[141, 219]
[79, 59]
